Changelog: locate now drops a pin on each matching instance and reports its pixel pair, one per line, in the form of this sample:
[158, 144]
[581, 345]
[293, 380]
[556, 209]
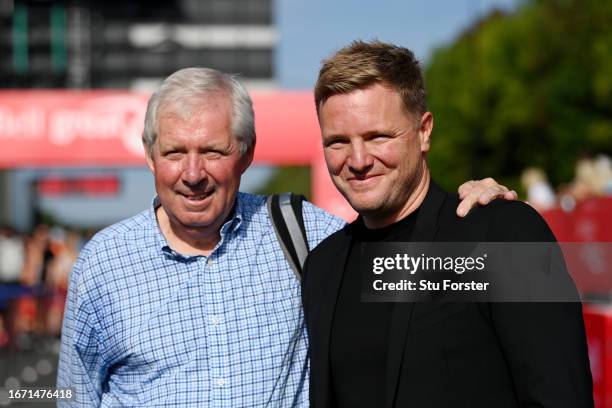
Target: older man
[191, 302]
[376, 134]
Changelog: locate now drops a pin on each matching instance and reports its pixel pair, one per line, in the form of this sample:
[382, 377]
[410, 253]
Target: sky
[309, 30]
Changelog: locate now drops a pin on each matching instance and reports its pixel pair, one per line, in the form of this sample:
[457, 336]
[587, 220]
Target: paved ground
[31, 363]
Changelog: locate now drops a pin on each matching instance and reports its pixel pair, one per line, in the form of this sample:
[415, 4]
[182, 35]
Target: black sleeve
[544, 343]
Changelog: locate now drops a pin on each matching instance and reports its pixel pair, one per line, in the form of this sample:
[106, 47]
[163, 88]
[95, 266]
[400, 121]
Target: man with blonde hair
[376, 132]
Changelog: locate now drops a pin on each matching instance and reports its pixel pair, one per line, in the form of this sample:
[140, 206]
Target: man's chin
[191, 219]
[194, 224]
[366, 207]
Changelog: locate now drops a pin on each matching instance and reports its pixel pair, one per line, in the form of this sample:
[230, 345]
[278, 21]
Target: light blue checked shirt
[147, 326]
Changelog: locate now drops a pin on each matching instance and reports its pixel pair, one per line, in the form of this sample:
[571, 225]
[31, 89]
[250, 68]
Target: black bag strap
[285, 209]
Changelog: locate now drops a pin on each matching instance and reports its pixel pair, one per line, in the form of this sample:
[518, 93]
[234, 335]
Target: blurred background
[520, 91]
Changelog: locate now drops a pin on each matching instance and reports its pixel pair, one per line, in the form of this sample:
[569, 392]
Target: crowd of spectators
[34, 271]
[592, 178]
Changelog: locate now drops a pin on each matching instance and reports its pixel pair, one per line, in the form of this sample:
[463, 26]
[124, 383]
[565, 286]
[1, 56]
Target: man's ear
[425, 128]
[247, 159]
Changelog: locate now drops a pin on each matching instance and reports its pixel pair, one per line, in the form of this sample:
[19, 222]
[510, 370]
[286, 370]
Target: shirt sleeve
[319, 224]
[81, 365]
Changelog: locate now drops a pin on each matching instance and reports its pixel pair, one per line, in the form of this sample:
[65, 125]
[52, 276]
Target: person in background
[11, 255]
[540, 194]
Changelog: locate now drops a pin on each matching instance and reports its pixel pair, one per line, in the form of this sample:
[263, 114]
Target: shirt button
[215, 320]
[210, 261]
[220, 382]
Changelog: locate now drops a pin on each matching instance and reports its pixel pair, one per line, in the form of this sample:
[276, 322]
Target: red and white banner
[59, 128]
[41, 128]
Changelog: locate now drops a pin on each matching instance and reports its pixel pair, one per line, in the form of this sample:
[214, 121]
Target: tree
[528, 88]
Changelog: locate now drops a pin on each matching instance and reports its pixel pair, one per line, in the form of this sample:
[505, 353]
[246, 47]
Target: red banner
[40, 128]
[83, 185]
[64, 128]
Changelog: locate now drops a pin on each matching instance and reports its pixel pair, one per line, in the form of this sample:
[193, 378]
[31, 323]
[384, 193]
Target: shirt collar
[159, 237]
[235, 219]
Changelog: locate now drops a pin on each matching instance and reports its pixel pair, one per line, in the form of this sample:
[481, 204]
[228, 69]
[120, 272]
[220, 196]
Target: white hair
[186, 86]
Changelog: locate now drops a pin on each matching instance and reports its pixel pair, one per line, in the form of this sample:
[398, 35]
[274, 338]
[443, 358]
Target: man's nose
[360, 160]
[194, 170]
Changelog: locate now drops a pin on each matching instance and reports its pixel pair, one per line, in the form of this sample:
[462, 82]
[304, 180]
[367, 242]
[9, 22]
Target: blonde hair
[362, 64]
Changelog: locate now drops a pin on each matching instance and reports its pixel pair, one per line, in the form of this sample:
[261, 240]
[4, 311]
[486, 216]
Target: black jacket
[489, 355]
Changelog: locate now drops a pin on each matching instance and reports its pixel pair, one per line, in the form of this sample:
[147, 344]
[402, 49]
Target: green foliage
[291, 178]
[531, 88]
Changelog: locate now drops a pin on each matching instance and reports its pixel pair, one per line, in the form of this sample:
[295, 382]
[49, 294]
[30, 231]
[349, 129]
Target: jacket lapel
[424, 231]
[329, 297]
